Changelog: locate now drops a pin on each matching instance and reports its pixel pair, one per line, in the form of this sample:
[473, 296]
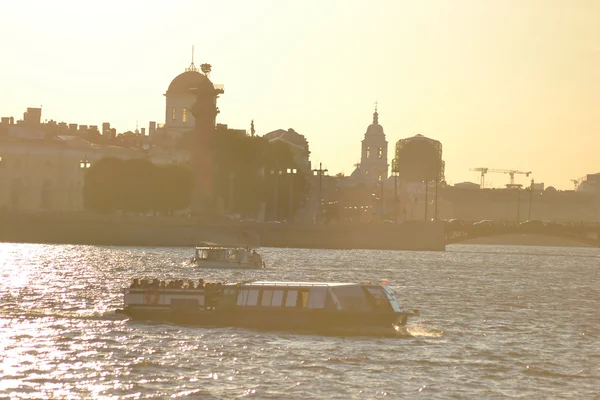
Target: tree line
[137, 186]
[247, 171]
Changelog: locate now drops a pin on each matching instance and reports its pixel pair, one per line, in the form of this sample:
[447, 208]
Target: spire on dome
[376, 115]
[192, 66]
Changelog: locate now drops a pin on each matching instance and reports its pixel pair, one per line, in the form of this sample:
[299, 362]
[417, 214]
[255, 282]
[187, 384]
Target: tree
[101, 187]
[239, 160]
[138, 179]
[173, 188]
[137, 186]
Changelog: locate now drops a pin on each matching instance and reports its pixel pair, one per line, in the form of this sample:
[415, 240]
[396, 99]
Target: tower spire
[376, 115]
[192, 66]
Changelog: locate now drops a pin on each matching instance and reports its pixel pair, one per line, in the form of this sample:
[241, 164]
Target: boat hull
[227, 265]
[343, 323]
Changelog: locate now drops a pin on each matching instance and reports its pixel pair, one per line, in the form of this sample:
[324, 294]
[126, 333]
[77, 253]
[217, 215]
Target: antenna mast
[192, 66]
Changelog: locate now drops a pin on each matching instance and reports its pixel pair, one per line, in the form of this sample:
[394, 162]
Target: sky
[505, 84]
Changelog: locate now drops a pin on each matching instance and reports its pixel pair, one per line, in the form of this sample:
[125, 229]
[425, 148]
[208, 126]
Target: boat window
[277, 298]
[378, 297]
[242, 297]
[292, 296]
[214, 254]
[252, 298]
[303, 300]
[317, 297]
[230, 255]
[266, 298]
[352, 298]
[202, 254]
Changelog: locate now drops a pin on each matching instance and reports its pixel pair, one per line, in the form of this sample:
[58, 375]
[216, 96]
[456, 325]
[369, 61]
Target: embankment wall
[90, 229]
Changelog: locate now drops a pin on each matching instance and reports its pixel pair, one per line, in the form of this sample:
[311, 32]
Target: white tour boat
[227, 257]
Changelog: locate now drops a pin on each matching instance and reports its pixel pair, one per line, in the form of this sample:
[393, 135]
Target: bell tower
[373, 161]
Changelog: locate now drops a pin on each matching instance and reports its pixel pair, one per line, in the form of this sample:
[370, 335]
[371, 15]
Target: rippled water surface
[497, 321]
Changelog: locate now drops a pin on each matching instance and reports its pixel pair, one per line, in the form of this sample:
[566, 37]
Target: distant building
[180, 99]
[223, 128]
[512, 205]
[297, 144]
[419, 159]
[373, 165]
[467, 185]
[590, 183]
[42, 165]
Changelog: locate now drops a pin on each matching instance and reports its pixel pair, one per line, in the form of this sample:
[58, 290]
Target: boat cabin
[231, 254]
[313, 295]
[355, 297]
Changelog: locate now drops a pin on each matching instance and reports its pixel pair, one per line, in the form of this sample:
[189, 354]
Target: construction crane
[576, 183]
[510, 172]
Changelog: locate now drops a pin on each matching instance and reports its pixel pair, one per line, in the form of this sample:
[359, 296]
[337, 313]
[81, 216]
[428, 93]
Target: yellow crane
[510, 172]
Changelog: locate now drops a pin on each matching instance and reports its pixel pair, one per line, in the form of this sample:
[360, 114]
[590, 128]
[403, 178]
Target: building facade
[43, 165]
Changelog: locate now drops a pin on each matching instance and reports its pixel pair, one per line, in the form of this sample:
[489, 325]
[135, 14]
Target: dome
[375, 128]
[183, 83]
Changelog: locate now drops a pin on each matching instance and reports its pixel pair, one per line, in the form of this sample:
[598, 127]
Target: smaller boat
[227, 257]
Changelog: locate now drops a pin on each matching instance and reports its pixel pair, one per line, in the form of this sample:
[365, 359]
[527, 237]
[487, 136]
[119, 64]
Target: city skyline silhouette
[500, 85]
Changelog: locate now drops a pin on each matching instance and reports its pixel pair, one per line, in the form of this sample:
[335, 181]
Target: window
[292, 296]
[174, 114]
[317, 297]
[242, 297]
[252, 298]
[266, 298]
[277, 298]
[303, 299]
[368, 152]
[378, 297]
[380, 153]
[184, 115]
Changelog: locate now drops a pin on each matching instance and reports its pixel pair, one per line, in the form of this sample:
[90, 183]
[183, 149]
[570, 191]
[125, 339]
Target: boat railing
[287, 284]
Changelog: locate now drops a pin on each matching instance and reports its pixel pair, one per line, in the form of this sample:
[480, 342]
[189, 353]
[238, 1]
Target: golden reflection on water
[60, 338]
[15, 265]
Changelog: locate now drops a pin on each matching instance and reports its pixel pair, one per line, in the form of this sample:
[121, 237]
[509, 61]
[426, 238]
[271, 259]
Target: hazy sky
[508, 84]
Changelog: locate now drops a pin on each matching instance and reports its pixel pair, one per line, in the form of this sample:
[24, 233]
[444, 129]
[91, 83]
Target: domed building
[180, 98]
[373, 165]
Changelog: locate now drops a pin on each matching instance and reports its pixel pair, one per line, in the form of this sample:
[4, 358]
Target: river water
[496, 322]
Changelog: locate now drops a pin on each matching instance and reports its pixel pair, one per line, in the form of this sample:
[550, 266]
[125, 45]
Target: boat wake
[421, 331]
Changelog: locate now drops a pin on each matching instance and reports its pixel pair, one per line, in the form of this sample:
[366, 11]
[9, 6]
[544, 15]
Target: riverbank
[113, 230]
[525, 239]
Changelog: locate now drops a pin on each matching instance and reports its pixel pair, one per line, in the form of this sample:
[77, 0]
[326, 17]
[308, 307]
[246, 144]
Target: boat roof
[293, 283]
[220, 248]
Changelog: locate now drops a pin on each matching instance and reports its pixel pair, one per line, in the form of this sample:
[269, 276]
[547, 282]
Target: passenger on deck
[135, 284]
[200, 283]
